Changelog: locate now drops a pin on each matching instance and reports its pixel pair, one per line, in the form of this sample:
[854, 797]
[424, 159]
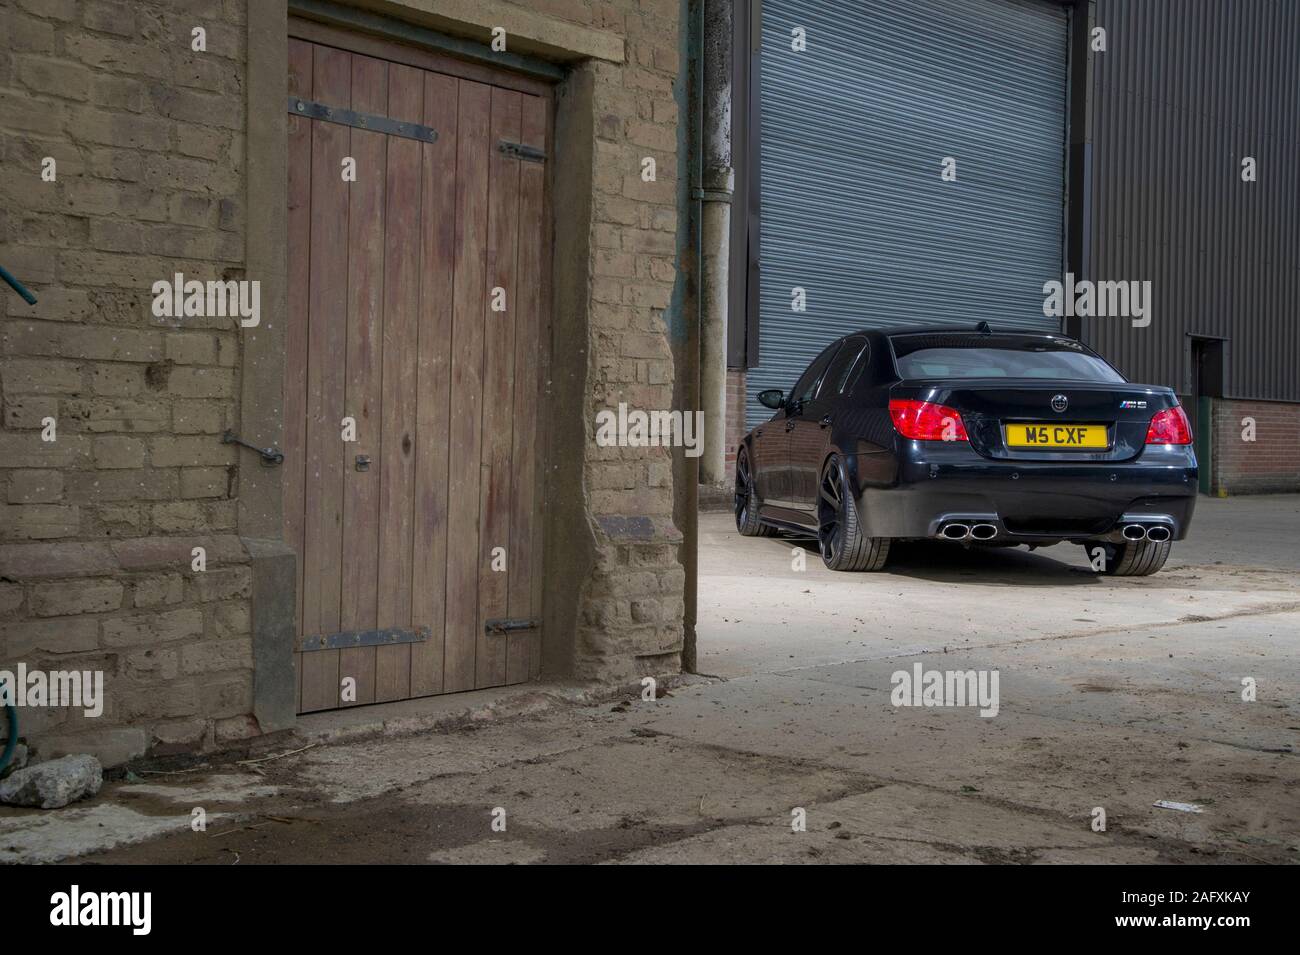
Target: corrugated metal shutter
[854, 133]
[1191, 90]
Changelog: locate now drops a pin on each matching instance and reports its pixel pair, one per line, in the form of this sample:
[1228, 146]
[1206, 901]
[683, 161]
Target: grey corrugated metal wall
[854, 132]
[1185, 90]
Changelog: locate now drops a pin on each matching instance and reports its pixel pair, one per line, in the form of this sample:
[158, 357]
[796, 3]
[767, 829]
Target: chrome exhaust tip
[984, 532]
[1159, 533]
[1134, 532]
[954, 532]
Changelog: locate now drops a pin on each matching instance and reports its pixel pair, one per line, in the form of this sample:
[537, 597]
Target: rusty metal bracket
[361, 638]
[270, 456]
[370, 121]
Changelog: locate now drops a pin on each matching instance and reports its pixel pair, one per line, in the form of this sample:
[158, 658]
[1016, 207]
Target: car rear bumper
[934, 485]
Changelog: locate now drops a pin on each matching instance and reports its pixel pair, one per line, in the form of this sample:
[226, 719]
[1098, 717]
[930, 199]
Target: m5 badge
[1132, 404]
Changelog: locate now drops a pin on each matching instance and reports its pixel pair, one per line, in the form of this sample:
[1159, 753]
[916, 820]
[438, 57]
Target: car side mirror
[773, 398]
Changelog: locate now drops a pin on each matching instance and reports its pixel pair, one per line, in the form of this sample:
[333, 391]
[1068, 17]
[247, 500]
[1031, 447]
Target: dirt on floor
[1113, 696]
[716, 772]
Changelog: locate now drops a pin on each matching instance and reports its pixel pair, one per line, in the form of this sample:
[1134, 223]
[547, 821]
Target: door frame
[1206, 382]
[273, 562]
[396, 51]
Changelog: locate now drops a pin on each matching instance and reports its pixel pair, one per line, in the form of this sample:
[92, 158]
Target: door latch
[508, 625]
[363, 462]
[521, 151]
[270, 456]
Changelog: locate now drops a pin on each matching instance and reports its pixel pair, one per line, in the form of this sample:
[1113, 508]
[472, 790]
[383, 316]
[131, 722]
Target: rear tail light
[926, 421]
[1170, 427]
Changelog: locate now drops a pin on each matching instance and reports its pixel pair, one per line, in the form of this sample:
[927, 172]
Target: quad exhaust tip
[1157, 533]
[959, 531]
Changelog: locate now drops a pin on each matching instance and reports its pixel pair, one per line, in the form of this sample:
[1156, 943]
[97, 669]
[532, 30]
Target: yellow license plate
[1056, 435]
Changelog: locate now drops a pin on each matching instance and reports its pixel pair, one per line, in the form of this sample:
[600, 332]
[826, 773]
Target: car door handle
[826, 421]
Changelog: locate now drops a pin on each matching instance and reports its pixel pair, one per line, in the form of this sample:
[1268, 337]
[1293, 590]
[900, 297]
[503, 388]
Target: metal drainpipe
[714, 184]
[688, 517]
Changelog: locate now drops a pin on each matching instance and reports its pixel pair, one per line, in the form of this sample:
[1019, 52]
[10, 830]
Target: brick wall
[735, 412]
[99, 524]
[1269, 463]
[631, 611]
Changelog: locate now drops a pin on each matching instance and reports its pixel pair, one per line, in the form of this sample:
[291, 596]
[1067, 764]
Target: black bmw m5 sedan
[972, 436]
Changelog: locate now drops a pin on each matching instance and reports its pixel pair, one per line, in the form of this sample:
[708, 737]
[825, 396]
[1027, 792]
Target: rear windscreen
[951, 356]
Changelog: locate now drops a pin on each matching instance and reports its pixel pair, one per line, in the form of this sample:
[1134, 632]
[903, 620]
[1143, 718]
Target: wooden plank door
[416, 343]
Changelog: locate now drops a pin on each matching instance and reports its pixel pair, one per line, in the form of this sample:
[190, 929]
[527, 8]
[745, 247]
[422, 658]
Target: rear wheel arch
[840, 537]
[745, 497]
[850, 462]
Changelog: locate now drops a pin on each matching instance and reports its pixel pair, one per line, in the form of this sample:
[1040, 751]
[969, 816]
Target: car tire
[1135, 558]
[840, 539]
[747, 520]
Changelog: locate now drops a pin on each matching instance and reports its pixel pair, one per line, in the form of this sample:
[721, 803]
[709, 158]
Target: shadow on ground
[953, 563]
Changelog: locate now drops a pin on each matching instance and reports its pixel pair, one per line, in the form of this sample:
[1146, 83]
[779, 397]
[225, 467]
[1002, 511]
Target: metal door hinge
[520, 151]
[507, 625]
[346, 639]
[370, 121]
[270, 456]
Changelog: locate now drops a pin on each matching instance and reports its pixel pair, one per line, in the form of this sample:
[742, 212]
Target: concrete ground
[1113, 694]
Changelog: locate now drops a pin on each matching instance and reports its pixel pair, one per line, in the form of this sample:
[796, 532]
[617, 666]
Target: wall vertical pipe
[713, 187]
[686, 470]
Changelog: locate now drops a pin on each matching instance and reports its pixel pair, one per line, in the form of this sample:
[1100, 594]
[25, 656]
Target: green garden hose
[12, 742]
[10, 710]
[17, 286]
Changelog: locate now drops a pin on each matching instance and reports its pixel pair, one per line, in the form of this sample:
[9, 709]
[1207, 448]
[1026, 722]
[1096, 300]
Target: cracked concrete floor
[1113, 694]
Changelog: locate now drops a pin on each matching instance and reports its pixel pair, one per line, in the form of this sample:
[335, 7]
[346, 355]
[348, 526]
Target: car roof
[957, 330]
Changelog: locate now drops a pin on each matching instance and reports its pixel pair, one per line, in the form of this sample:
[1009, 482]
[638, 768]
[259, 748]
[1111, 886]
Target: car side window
[838, 373]
[859, 373]
[806, 386]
